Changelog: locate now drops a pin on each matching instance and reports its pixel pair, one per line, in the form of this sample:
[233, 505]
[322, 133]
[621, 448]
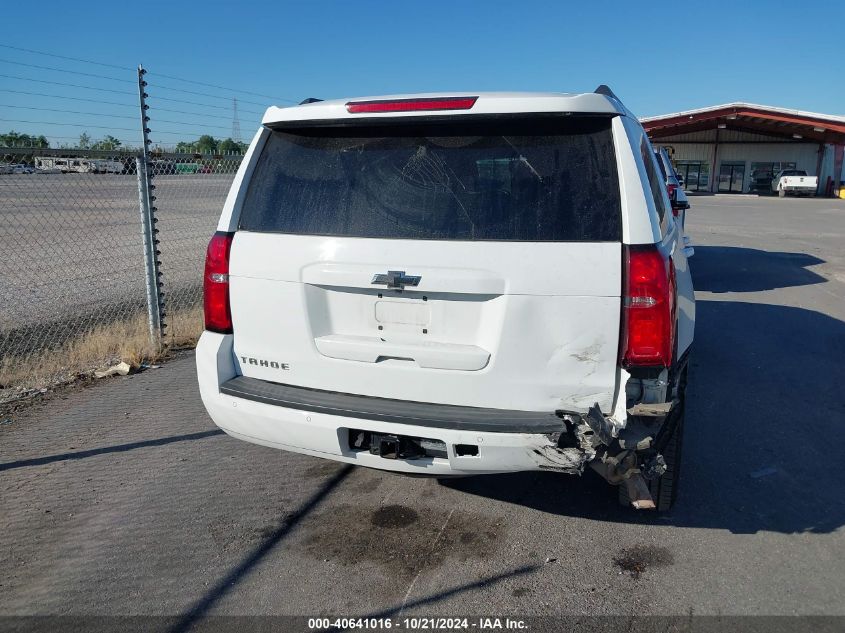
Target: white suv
[453, 285]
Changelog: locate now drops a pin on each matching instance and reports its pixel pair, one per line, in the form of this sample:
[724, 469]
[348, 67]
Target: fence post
[155, 295]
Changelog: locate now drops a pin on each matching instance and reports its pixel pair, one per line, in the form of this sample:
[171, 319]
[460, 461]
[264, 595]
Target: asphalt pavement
[123, 498]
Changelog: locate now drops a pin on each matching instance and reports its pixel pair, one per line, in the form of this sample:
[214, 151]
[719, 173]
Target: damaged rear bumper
[433, 440]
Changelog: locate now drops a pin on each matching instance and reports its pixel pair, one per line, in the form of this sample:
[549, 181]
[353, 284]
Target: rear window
[528, 180]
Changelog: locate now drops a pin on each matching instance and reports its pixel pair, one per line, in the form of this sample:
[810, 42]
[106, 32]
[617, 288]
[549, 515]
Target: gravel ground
[123, 498]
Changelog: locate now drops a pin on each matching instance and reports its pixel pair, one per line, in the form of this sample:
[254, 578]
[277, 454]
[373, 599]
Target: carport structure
[739, 147]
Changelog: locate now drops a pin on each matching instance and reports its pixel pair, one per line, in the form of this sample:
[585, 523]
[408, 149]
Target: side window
[657, 185]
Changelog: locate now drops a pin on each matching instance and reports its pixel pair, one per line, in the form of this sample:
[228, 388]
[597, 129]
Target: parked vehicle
[163, 167]
[187, 168]
[105, 166]
[795, 182]
[21, 168]
[454, 285]
[677, 198]
[64, 165]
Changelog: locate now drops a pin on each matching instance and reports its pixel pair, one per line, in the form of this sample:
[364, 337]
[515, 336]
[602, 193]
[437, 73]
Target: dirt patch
[638, 559]
[394, 516]
[399, 539]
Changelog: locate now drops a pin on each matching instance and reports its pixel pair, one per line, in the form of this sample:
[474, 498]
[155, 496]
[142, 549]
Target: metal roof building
[739, 147]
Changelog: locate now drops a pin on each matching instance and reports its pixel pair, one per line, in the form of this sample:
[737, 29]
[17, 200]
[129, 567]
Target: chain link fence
[190, 192]
[72, 274]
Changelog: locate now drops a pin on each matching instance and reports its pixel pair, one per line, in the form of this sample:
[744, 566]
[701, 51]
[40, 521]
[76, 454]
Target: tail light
[648, 313]
[411, 105]
[672, 190]
[218, 315]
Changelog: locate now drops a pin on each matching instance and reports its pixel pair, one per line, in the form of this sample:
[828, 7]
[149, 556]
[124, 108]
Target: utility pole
[149, 232]
[236, 125]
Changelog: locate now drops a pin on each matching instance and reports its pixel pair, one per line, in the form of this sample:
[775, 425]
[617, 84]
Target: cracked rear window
[552, 179]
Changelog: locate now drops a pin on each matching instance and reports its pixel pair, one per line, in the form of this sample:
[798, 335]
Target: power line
[98, 127]
[125, 105]
[202, 114]
[123, 141]
[74, 59]
[122, 92]
[202, 105]
[216, 127]
[190, 81]
[114, 116]
[64, 70]
[246, 92]
[41, 94]
[58, 83]
[202, 94]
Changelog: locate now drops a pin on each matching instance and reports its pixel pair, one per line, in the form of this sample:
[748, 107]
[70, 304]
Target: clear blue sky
[659, 58]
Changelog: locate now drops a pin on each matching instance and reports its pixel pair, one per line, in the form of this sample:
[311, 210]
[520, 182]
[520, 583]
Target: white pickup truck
[794, 181]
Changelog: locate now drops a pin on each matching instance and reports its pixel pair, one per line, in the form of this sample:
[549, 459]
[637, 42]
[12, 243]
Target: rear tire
[664, 489]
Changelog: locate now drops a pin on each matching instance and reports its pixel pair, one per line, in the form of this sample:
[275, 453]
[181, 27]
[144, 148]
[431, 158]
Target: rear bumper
[318, 423]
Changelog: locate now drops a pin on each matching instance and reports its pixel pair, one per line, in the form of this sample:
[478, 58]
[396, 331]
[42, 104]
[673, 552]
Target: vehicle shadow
[736, 269]
[118, 448]
[764, 415]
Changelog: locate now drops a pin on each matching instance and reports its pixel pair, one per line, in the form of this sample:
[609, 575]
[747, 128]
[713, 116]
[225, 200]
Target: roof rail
[603, 89]
[309, 100]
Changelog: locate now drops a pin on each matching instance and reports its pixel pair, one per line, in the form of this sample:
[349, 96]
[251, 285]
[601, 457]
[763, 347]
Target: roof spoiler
[310, 100]
[605, 90]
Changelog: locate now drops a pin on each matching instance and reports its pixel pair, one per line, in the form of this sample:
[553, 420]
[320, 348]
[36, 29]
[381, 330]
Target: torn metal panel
[621, 446]
[567, 460]
[657, 409]
[639, 434]
[638, 493]
[568, 451]
[600, 424]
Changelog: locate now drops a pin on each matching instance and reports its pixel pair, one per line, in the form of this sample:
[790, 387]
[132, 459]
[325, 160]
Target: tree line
[205, 144]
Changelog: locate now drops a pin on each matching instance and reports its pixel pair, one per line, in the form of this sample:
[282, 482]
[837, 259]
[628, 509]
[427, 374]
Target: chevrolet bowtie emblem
[396, 279]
